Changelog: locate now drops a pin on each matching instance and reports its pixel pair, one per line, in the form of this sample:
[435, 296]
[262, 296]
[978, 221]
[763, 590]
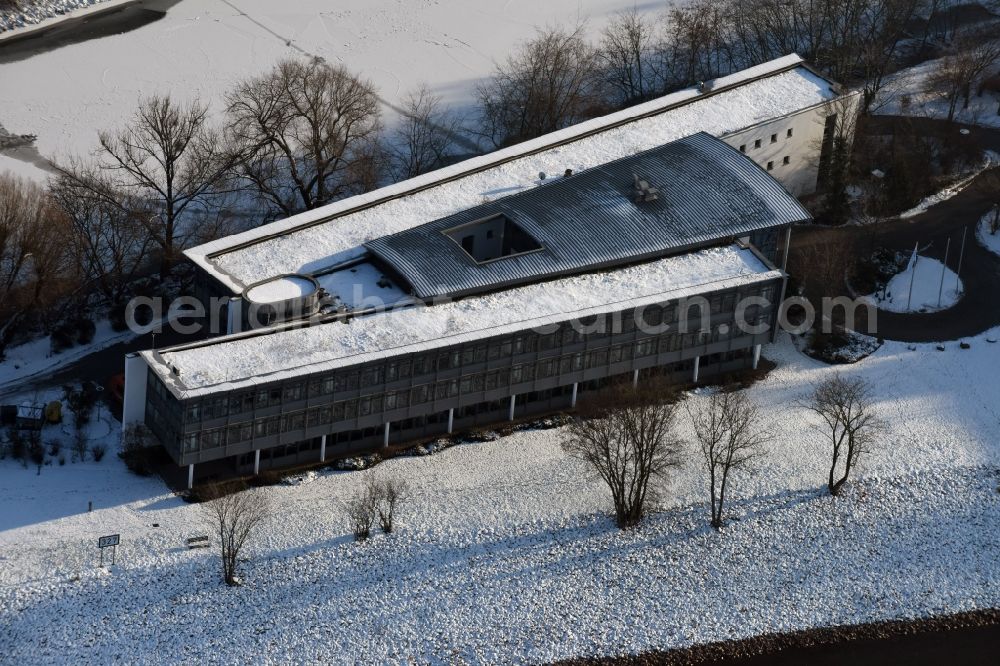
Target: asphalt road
[979, 308]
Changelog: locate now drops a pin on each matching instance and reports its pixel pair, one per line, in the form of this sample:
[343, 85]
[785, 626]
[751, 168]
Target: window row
[350, 380]
[774, 139]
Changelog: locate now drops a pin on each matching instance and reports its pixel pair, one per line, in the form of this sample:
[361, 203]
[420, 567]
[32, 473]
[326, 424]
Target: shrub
[116, 315]
[79, 446]
[361, 510]
[138, 450]
[386, 496]
[269, 477]
[98, 451]
[37, 454]
[61, 339]
[18, 447]
[85, 331]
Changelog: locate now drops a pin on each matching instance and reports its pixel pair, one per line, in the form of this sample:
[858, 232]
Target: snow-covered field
[929, 292]
[988, 240]
[506, 552]
[202, 47]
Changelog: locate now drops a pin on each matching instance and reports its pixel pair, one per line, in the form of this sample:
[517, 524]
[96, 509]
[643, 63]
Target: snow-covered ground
[906, 93]
[928, 294]
[202, 47]
[988, 240]
[506, 552]
[990, 160]
[36, 357]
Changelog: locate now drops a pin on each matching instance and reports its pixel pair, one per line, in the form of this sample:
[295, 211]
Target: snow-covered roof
[242, 361]
[707, 191]
[317, 239]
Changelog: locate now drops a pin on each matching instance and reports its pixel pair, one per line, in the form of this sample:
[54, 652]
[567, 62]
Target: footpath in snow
[506, 552]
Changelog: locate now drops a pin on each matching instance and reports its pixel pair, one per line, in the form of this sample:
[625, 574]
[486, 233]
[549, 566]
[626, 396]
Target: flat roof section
[320, 238]
[237, 362]
[706, 190]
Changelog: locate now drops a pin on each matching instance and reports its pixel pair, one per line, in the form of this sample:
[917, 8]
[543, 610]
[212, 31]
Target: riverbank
[971, 638]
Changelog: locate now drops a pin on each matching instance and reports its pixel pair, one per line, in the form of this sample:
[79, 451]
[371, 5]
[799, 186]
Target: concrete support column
[322, 448]
[572, 401]
[756, 356]
[635, 379]
[190, 476]
[385, 435]
[513, 402]
[256, 462]
[451, 420]
[788, 244]
[697, 366]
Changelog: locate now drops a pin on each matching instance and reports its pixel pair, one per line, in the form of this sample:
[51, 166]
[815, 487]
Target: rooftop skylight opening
[493, 238]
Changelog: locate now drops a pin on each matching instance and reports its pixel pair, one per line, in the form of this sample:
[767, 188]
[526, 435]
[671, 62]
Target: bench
[198, 542]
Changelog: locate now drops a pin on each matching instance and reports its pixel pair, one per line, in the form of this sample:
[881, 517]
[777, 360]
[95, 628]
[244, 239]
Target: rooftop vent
[642, 191]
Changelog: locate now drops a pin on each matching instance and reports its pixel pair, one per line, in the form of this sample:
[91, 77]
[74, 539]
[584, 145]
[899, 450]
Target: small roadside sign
[110, 541]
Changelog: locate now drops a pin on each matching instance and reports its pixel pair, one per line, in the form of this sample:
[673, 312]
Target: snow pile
[281, 289]
[32, 12]
[929, 293]
[241, 359]
[988, 240]
[506, 552]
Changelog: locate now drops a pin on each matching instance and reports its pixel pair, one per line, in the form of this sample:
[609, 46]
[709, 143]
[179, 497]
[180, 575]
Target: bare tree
[306, 133]
[626, 57]
[361, 509]
[548, 84]
[236, 515]
[390, 493]
[426, 135]
[627, 435]
[847, 418]
[731, 435]
[36, 254]
[111, 241]
[957, 73]
[168, 161]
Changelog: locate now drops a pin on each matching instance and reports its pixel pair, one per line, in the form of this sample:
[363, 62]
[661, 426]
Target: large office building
[651, 241]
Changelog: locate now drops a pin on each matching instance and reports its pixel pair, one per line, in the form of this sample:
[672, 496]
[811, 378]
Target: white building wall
[134, 402]
[802, 148]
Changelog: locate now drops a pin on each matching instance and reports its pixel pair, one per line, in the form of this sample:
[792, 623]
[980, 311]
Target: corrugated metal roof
[708, 191]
